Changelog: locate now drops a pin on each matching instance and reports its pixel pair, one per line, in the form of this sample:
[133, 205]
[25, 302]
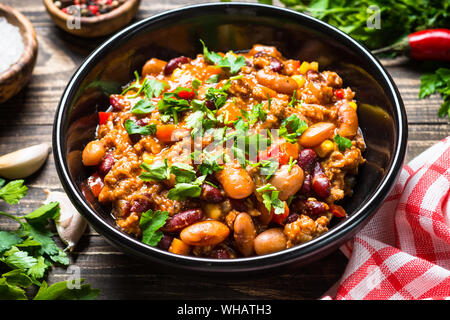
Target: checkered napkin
[404, 250]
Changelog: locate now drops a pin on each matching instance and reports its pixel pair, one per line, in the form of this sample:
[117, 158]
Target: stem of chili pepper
[432, 44]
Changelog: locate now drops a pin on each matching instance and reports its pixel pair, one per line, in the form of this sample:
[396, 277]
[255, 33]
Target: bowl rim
[29, 40]
[309, 250]
[106, 17]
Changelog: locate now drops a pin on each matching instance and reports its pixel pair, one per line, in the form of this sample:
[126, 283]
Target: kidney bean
[165, 242]
[292, 218]
[236, 182]
[183, 219]
[306, 186]
[276, 65]
[142, 122]
[315, 207]
[116, 102]
[205, 233]
[238, 204]
[141, 204]
[244, 233]
[93, 153]
[307, 159]
[220, 254]
[106, 164]
[175, 63]
[210, 104]
[211, 194]
[320, 183]
[269, 241]
[275, 81]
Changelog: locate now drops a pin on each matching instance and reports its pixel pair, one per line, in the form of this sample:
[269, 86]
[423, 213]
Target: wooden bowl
[90, 27]
[17, 76]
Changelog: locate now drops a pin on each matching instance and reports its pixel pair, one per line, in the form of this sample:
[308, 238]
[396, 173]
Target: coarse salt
[11, 44]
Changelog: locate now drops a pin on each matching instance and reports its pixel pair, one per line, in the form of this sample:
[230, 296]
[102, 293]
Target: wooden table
[27, 119]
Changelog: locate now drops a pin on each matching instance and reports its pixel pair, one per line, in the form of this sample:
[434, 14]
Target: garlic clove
[70, 224]
[24, 162]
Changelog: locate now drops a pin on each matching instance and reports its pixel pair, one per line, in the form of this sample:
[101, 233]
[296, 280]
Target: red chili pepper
[339, 93]
[185, 94]
[96, 184]
[93, 9]
[103, 117]
[279, 218]
[274, 152]
[432, 44]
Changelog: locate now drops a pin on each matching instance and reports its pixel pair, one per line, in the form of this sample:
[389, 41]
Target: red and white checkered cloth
[404, 250]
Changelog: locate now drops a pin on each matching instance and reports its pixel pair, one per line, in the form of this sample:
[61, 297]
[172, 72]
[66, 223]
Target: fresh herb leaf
[270, 198]
[183, 172]
[143, 106]
[291, 128]
[13, 191]
[257, 113]
[11, 292]
[157, 171]
[8, 240]
[230, 61]
[150, 223]
[182, 191]
[42, 214]
[342, 143]
[153, 88]
[213, 79]
[171, 104]
[66, 290]
[439, 81]
[133, 128]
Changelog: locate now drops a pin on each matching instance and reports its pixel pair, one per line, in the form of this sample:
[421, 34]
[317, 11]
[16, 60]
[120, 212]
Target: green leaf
[18, 259]
[65, 290]
[183, 172]
[342, 143]
[153, 88]
[157, 171]
[428, 84]
[2, 182]
[13, 191]
[133, 128]
[8, 240]
[17, 277]
[143, 106]
[41, 235]
[150, 223]
[37, 271]
[232, 62]
[444, 110]
[11, 292]
[42, 214]
[213, 79]
[182, 191]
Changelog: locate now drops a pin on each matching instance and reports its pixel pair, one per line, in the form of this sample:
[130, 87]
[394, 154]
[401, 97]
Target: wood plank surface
[27, 119]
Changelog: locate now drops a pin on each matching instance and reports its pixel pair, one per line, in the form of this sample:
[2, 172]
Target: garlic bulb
[70, 224]
[24, 162]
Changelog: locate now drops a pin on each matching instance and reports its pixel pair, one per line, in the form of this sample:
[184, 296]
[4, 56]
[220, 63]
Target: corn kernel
[299, 79]
[213, 211]
[147, 157]
[314, 66]
[325, 148]
[304, 67]
[353, 105]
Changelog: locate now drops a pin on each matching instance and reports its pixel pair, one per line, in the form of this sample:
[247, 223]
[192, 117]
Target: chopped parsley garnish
[133, 128]
[143, 106]
[185, 190]
[296, 126]
[292, 162]
[171, 104]
[13, 191]
[183, 172]
[213, 79]
[270, 198]
[257, 113]
[230, 61]
[342, 143]
[150, 223]
[157, 171]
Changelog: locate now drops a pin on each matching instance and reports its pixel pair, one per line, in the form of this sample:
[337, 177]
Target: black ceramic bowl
[233, 26]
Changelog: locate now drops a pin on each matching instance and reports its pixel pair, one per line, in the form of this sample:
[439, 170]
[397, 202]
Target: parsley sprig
[439, 81]
[30, 251]
[230, 61]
